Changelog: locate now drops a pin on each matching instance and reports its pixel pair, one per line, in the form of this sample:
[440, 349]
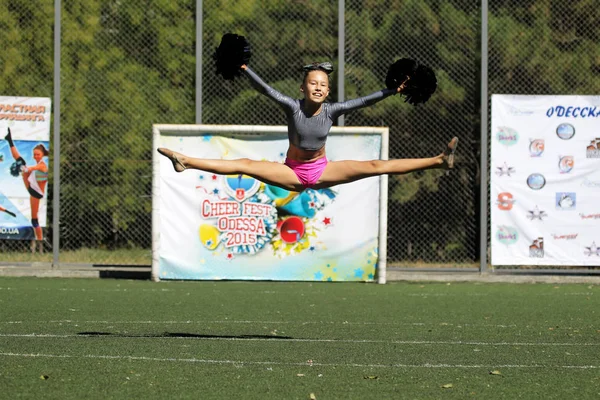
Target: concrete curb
[393, 275]
[489, 277]
[74, 272]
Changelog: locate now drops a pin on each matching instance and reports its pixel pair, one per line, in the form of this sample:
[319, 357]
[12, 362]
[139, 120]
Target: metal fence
[123, 66]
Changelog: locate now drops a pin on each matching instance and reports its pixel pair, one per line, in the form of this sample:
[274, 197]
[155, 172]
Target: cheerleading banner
[215, 227]
[545, 180]
[24, 144]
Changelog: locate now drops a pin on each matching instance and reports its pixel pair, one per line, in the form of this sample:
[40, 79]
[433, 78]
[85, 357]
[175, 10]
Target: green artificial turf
[77, 338]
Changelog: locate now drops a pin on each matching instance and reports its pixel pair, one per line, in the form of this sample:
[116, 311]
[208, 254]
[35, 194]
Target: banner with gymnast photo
[24, 146]
[545, 180]
[215, 227]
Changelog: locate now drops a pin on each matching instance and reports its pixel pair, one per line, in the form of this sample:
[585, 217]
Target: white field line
[68, 321]
[300, 323]
[283, 339]
[312, 364]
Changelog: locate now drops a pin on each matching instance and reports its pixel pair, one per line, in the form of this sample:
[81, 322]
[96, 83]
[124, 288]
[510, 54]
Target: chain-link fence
[127, 65]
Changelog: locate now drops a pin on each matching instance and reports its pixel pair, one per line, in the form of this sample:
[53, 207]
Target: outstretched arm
[41, 166]
[365, 101]
[262, 87]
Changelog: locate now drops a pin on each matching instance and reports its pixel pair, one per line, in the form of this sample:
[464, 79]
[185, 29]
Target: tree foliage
[129, 64]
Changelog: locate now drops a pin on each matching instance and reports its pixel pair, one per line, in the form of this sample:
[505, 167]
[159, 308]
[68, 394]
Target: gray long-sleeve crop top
[310, 132]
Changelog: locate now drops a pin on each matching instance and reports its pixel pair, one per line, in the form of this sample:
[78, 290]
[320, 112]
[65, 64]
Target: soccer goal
[211, 227]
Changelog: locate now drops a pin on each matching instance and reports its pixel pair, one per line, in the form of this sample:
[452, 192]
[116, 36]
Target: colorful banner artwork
[235, 227]
[545, 180]
[24, 146]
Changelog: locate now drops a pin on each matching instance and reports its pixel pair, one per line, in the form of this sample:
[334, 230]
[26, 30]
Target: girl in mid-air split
[309, 121]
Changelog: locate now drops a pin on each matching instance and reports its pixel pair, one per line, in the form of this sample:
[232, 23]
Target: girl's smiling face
[315, 86]
[38, 155]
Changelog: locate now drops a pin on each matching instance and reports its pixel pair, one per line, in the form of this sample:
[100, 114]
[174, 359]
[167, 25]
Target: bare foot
[176, 158]
[448, 154]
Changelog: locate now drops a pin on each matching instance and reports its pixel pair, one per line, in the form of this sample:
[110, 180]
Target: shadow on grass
[180, 335]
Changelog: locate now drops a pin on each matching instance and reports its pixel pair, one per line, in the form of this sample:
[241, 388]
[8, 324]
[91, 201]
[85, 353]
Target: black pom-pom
[15, 168]
[421, 83]
[232, 53]
[399, 72]
[421, 86]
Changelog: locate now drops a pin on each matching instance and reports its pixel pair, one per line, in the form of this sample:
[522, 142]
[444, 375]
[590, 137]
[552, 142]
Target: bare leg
[25, 176]
[35, 206]
[15, 153]
[269, 172]
[340, 172]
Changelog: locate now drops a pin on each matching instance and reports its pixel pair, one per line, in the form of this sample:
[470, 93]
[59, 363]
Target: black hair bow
[323, 66]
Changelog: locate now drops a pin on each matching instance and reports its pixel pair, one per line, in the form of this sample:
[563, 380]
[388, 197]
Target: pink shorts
[308, 173]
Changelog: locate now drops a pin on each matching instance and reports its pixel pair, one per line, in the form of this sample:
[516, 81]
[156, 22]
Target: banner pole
[56, 144]
[383, 213]
[483, 212]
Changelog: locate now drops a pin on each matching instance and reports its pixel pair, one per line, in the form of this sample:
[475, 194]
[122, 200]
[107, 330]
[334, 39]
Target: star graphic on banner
[593, 249]
[371, 276]
[312, 248]
[327, 221]
[230, 256]
[358, 272]
[319, 275]
[216, 191]
[214, 177]
[504, 170]
[201, 177]
[311, 204]
[206, 138]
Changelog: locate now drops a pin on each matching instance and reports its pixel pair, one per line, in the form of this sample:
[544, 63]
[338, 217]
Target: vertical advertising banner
[236, 227]
[24, 146]
[545, 180]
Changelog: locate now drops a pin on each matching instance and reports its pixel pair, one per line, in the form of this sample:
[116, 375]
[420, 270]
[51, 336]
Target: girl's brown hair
[41, 148]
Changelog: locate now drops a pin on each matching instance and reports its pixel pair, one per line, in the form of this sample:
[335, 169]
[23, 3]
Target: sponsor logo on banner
[593, 149]
[507, 136]
[250, 216]
[573, 112]
[507, 235]
[536, 147]
[592, 250]
[505, 201]
[504, 170]
[566, 164]
[566, 201]
[536, 214]
[565, 131]
[536, 181]
[589, 216]
[590, 183]
[568, 236]
[536, 248]
[519, 111]
[241, 187]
